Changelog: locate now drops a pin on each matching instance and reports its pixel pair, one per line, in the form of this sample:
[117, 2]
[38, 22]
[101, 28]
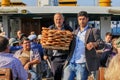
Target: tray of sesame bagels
[56, 39]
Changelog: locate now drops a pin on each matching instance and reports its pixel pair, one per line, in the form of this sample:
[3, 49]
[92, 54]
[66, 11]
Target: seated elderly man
[8, 61]
[28, 57]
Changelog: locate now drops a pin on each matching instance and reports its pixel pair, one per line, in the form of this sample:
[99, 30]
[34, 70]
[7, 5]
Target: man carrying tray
[57, 57]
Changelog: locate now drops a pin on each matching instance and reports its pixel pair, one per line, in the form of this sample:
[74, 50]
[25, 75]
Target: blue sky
[80, 2]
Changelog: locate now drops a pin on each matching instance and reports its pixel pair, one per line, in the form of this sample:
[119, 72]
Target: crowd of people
[87, 52]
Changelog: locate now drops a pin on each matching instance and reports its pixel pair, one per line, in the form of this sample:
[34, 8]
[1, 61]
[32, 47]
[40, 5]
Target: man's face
[108, 38]
[58, 20]
[82, 21]
[26, 45]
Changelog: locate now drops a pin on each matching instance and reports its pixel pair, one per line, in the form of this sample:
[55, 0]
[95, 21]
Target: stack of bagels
[56, 39]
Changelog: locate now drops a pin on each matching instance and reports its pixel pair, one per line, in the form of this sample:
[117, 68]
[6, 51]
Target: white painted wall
[15, 26]
[105, 23]
[5, 24]
[44, 2]
[47, 2]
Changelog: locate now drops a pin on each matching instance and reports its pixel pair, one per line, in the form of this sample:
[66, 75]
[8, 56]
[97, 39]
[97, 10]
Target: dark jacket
[92, 59]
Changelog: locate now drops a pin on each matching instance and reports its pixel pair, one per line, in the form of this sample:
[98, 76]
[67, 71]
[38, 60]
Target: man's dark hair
[3, 43]
[22, 36]
[108, 34]
[83, 13]
[24, 39]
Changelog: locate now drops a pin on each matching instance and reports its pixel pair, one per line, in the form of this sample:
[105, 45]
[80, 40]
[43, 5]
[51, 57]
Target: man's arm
[31, 63]
[34, 59]
[98, 41]
[20, 71]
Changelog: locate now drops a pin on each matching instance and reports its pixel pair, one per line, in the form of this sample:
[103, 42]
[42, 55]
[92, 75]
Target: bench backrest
[5, 74]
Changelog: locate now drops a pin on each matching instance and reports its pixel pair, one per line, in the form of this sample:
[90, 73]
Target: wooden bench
[5, 74]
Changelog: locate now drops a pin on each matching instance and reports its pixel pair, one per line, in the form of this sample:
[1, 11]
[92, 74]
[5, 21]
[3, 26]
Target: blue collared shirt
[35, 45]
[79, 52]
[8, 61]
